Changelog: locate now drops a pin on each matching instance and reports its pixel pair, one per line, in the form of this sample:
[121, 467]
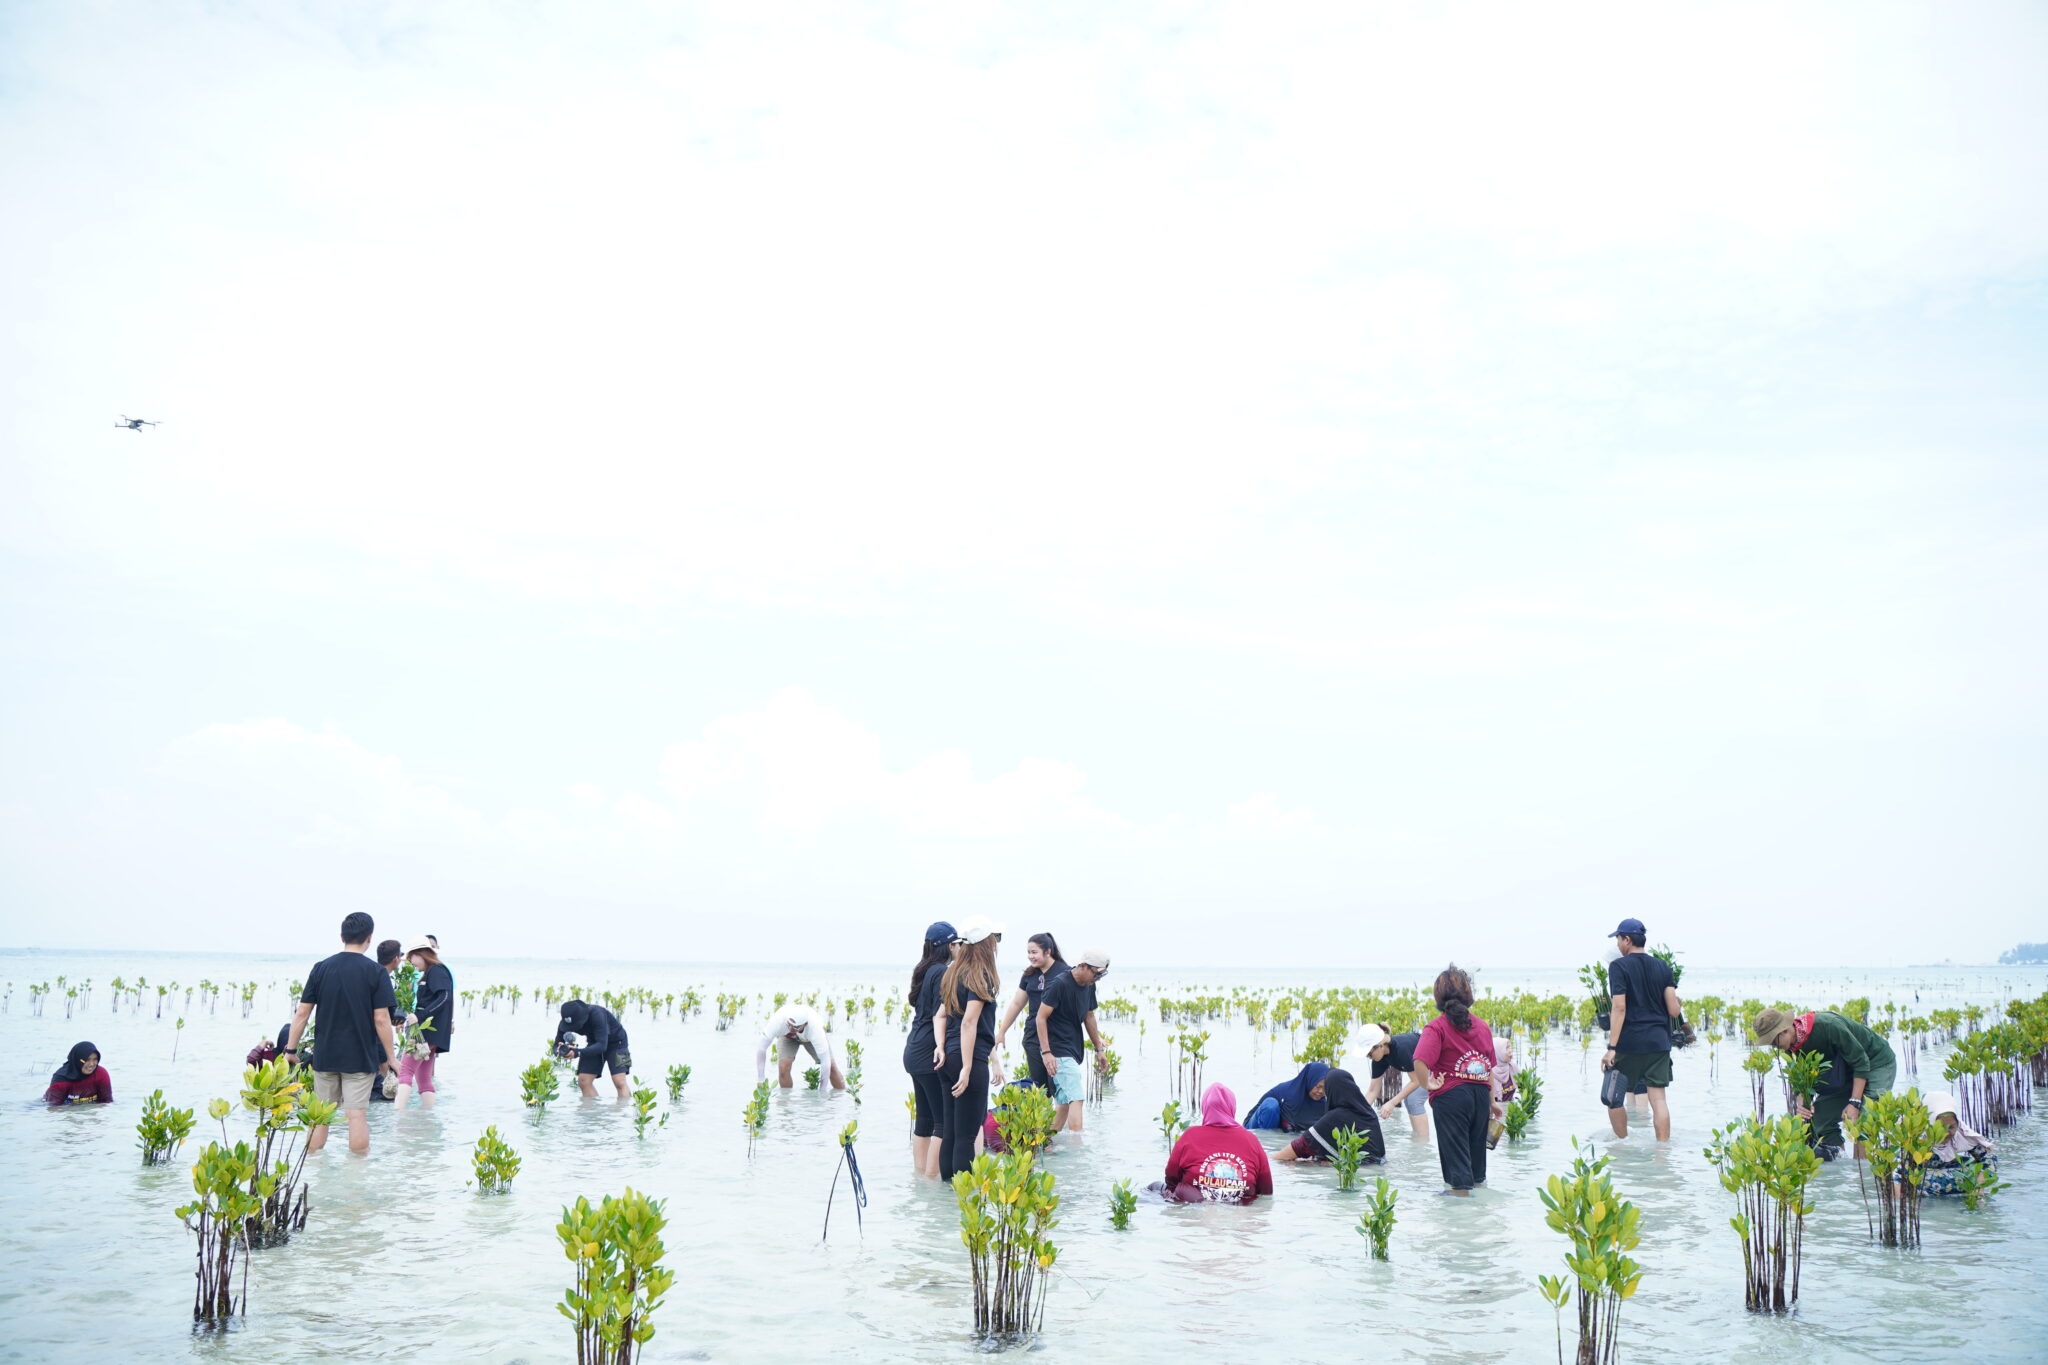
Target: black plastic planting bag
[1613, 1088]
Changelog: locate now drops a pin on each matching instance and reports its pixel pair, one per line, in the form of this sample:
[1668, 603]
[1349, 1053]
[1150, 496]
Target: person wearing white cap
[964, 1034]
[1392, 1061]
[797, 1027]
[433, 1003]
[1069, 1008]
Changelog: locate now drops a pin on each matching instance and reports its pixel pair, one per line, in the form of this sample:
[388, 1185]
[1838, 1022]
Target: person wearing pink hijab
[1218, 1161]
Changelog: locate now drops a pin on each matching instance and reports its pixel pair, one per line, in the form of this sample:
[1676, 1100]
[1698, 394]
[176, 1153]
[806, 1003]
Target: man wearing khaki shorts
[355, 1002]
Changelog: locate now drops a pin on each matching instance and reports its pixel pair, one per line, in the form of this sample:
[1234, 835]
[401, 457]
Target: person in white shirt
[797, 1026]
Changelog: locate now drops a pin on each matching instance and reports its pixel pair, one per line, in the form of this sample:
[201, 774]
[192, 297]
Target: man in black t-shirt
[355, 1000]
[604, 1046]
[1644, 1000]
[1069, 1008]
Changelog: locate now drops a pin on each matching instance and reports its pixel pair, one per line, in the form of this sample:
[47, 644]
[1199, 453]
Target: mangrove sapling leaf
[1351, 1145]
[1516, 1119]
[1025, 1118]
[617, 1251]
[1006, 1211]
[644, 1103]
[1802, 1077]
[1171, 1123]
[220, 1213]
[678, 1077]
[811, 1078]
[538, 1085]
[1602, 1227]
[1376, 1224]
[163, 1130]
[1122, 1204]
[495, 1163]
[1977, 1182]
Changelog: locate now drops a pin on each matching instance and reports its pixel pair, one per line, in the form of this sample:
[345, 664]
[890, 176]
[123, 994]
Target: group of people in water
[349, 1030]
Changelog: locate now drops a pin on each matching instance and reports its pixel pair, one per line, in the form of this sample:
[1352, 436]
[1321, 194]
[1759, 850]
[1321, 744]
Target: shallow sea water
[401, 1261]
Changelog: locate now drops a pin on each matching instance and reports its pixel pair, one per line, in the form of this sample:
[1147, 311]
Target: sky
[1234, 484]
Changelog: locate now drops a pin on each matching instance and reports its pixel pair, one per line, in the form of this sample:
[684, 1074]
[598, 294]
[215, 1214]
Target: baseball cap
[940, 932]
[977, 929]
[1628, 926]
[1095, 958]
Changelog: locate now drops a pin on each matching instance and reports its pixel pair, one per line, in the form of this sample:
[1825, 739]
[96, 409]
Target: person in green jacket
[1859, 1063]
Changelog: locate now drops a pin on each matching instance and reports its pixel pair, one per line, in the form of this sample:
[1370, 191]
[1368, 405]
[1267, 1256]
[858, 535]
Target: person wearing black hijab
[1346, 1108]
[81, 1080]
[604, 1045]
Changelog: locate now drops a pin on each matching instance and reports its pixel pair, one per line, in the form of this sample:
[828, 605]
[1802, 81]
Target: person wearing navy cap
[940, 943]
[1644, 1002]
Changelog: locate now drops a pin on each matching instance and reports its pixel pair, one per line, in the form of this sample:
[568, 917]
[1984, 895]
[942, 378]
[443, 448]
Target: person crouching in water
[797, 1027]
[1217, 1161]
[1347, 1108]
[1859, 1063]
[81, 1080]
[1960, 1148]
[1292, 1106]
[604, 1045]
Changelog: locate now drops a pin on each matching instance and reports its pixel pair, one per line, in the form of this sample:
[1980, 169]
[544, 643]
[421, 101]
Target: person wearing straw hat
[434, 1003]
[1859, 1063]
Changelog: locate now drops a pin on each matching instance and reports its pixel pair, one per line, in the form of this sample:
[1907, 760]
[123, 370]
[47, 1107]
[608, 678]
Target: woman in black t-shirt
[918, 1049]
[1047, 966]
[966, 1026]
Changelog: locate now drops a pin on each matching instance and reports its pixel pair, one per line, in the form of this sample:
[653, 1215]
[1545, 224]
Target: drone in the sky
[133, 423]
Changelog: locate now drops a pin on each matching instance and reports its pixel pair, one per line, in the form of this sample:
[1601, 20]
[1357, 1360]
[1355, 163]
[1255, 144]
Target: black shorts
[1645, 1070]
[620, 1060]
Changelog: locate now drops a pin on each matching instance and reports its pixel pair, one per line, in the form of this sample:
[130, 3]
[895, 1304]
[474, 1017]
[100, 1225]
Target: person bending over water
[1217, 1161]
[918, 1048]
[604, 1045]
[1346, 1109]
[965, 1027]
[1042, 952]
[1859, 1063]
[81, 1080]
[1454, 1061]
[1069, 1008]
[1393, 1076]
[1292, 1106]
[434, 1002]
[1960, 1148]
[797, 1027]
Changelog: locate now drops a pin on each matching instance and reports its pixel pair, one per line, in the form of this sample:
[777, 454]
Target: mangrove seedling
[847, 1162]
[810, 1078]
[1122, 1204]
[1603, 1229]
[756, 1115]
[220, 1213]
[620, 1282]
[1529, 1089]
[538, 1085]
[1766, 1164]
[853, 1063]
[175, 1035]
[1351, 1144]
[495, 1162]
[1759, 1064]
[645, 1102]
[1516, 1119]
[1977, 1183]
[1376, 1224]
[1025, 1118]
[163, 1130]
[1899, 1137]
[1802, 1077]
[1172, 1123]
[678, 1077]
[1006, 1211]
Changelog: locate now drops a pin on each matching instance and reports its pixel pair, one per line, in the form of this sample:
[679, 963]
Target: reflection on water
[402, 1261]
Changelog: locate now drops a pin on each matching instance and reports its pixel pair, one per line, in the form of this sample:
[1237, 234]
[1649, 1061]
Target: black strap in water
[860, 1187]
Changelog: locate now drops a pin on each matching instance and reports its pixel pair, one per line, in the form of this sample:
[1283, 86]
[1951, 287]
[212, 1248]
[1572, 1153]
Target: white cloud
[1262, 815]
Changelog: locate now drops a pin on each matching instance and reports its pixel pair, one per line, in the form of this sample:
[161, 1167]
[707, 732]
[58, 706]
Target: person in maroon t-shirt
[1454, 1061]
[81, 1080]
[1218, 1161]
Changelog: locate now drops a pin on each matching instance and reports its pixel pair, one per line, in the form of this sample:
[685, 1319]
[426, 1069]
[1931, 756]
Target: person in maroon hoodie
[1218, 1161]
[81, 1080]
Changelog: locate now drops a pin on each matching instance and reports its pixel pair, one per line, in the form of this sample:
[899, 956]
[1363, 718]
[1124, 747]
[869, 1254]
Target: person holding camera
[1643, 1002]
[603, 1047]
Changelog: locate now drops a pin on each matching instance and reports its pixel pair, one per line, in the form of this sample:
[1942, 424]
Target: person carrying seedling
[1859, 1063]
[1644, 1000]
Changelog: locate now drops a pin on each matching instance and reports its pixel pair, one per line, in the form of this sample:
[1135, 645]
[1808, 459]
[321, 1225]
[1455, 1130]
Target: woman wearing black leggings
[1454, 1062]
[918, 1049]
[966, 1023]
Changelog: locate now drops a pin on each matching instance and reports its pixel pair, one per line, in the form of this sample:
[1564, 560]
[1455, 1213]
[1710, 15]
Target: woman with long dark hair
[965, 1025]
[1454, 1062]
[918, 1048]
[1044, 965]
